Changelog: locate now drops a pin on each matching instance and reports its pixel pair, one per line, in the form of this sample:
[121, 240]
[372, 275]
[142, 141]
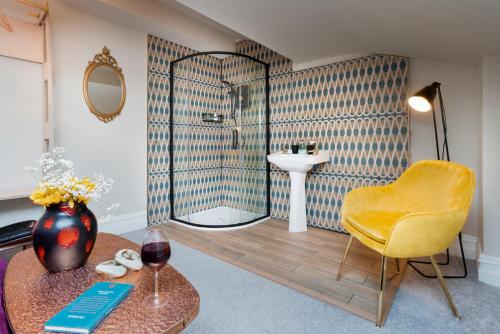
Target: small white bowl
[111, 269]
[129, 258]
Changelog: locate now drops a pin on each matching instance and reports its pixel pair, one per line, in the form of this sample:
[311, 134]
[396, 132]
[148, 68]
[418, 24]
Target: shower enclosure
[219, 139]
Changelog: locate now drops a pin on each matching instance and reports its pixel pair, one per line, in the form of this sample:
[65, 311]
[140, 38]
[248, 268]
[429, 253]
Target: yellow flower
[46, 195]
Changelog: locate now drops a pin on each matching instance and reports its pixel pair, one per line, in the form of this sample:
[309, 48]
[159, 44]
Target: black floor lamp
[422, 101]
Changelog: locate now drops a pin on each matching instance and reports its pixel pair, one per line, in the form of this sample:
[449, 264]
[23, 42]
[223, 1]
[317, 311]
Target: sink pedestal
[297, 165]
[297, 219]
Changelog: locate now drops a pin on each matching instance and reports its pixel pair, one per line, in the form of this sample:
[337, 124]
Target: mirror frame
[104, 59]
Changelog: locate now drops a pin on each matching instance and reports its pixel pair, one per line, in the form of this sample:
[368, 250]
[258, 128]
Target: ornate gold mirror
[104, 86]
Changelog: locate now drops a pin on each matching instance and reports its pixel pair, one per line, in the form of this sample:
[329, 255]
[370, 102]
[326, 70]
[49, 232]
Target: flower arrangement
[58, 184]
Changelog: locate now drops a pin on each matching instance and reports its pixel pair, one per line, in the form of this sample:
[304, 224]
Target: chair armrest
[424, 233]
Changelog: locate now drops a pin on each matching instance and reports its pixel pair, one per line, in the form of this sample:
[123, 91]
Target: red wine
[155, 255]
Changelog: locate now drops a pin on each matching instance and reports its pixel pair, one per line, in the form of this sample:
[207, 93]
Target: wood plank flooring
[307, 262]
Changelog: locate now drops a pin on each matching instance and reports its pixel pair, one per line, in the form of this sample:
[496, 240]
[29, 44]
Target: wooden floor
[307, 262]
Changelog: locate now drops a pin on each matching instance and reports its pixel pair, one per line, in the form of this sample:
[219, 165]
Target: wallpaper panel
[197, 177]
[197, 190]
[278, 63]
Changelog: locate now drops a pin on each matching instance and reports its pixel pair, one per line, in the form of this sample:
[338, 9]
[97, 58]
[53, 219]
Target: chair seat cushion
[374, 224]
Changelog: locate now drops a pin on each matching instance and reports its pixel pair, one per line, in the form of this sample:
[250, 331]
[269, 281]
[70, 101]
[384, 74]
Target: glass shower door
[252, 108]
[181, 140]
[218, 167]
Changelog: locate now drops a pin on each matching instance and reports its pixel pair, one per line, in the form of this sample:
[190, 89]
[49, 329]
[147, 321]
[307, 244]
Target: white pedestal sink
[297, 166]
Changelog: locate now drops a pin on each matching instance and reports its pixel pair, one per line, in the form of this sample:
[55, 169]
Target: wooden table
[32, 295]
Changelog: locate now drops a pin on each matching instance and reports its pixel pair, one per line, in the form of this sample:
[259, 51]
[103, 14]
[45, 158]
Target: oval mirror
[104, 86]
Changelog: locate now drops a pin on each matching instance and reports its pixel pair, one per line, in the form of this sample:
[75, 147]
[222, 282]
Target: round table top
[33, 296]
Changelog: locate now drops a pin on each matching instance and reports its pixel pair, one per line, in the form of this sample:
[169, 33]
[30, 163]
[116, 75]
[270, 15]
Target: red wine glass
[155, 253]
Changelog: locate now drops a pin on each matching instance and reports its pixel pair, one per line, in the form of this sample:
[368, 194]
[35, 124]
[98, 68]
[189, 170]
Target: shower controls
[236, 135]
[212, 117]
[239, 98]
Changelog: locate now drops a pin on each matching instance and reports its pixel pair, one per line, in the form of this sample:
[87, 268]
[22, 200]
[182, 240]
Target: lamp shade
[422, 100]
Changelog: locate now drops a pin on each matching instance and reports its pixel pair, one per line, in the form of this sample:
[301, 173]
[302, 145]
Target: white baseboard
[470, 244]
[125, 223]
[489, 270]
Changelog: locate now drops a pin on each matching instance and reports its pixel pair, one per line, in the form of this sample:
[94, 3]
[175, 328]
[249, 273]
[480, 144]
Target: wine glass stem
[156, 285]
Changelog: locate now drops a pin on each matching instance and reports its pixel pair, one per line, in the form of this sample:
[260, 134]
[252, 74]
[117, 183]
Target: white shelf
[15, 193]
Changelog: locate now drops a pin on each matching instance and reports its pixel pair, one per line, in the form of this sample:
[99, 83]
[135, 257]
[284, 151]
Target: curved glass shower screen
[219, 139]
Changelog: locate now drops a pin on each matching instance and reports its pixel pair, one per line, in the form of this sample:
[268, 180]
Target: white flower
[58, 173]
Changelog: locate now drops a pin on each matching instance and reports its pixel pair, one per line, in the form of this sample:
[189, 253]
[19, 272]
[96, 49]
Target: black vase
[64, 237]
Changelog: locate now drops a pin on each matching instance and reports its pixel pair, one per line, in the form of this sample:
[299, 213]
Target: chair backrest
[433, 185]
[437, 195]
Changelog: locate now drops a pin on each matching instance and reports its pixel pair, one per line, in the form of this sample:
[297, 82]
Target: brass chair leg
[344, 258]
[381, 292]
[445, 288]
[398, 268]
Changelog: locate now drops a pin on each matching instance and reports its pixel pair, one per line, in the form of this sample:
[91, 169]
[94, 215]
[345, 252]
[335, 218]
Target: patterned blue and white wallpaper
[160, 53]
[355, 109]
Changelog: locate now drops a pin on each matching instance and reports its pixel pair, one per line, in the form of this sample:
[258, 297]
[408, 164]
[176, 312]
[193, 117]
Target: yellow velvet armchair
[418, 215]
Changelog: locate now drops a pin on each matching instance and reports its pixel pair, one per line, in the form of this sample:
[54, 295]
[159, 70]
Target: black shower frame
[171, 139]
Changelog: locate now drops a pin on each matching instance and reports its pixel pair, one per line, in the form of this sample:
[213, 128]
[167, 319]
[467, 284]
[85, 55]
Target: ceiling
[167, 19]
[181, 9]
[310, 30]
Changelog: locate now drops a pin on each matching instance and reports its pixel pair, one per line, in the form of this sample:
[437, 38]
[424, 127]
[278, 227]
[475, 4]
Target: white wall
[489, 267]
[461, 88]
[116, 149]
[491, 154]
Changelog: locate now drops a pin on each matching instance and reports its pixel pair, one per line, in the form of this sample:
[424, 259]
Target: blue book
[89, 309]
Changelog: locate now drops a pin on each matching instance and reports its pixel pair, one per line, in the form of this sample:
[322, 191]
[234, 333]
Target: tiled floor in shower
[221, 215]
